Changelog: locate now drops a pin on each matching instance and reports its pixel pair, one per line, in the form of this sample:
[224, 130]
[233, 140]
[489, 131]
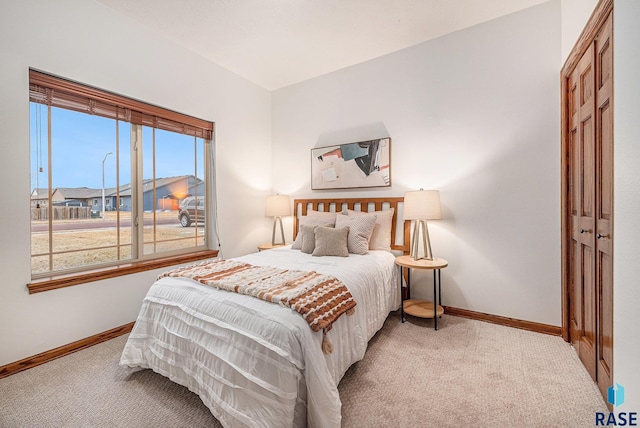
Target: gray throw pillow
[360, 229]
[381, 236]
[331, 241]
[308, 238]
[310, 221]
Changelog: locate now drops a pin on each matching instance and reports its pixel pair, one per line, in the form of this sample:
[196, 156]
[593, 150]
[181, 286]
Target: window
[108, 175]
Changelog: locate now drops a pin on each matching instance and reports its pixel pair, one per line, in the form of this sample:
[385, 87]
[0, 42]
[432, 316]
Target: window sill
[55, 282]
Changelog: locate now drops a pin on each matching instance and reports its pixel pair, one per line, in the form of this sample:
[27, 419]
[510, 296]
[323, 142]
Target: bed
[256, 363]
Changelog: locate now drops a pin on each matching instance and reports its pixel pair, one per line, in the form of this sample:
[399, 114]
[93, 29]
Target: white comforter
[255, 363]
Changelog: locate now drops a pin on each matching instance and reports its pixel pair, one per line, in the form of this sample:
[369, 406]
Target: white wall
[475, 114]
[85, 41]
[626, 269]
[574, 15]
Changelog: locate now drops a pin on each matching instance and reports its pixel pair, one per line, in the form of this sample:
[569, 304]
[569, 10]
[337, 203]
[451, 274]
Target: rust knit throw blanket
[320, 299]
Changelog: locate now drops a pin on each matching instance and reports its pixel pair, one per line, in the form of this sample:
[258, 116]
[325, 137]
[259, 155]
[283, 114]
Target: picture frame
[352, 165]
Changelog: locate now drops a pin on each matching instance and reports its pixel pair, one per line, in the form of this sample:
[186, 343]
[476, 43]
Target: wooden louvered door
[588, 197]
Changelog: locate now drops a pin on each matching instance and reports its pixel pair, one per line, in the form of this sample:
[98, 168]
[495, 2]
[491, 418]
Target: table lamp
[422, 205]
[276, 207]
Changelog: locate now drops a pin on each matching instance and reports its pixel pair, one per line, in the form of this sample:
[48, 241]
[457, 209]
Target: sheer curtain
[213, 239]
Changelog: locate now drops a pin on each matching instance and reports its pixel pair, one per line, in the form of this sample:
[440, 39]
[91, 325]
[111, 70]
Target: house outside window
[89, 146]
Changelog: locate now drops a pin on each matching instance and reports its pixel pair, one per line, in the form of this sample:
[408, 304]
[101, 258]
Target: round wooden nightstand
[263, 247]
[417, 307]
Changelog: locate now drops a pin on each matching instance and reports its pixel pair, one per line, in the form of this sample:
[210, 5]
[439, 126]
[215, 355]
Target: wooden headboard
[301, 206]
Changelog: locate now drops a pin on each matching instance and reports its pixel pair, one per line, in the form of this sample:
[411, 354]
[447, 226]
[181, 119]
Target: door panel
[587, 170]
[587, 339]
[604, 209]
[574, 288]
[574, 173]
[583, 230]
[605, 322]
[576, 285]
[588, 196]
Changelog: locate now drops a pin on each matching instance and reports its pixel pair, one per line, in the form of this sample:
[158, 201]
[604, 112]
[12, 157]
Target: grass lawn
[92, 246]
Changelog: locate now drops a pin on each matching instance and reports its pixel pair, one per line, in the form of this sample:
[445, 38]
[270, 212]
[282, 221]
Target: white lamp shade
[422, 205]
[277, 206]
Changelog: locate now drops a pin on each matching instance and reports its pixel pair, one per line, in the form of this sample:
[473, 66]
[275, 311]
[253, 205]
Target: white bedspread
[255, 363]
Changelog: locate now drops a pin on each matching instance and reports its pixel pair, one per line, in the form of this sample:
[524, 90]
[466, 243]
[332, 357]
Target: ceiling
[276, 43]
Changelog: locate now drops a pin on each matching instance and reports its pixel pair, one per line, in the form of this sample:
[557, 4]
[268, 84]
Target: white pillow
[322, 214]
[311, 221]
[360, 229]
[381, 235]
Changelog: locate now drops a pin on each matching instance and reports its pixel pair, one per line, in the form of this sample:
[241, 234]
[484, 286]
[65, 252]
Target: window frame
[58, 92]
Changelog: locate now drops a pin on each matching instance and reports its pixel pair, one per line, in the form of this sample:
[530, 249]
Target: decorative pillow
[381, 236]
[360, 229]
[322, 214]
[311, 221]
[331, 241]
[308, 238]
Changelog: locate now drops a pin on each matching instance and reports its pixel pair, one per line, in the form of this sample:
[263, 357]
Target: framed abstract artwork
[352, 165]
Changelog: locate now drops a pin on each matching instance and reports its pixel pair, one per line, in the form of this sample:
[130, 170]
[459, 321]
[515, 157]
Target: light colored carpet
[468, 373]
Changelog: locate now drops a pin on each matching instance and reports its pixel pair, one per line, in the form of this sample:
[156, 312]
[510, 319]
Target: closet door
[583, 298]
[587, 183]
[604, 204]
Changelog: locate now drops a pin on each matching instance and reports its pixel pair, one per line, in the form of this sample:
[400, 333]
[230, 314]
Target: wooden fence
[61, 213]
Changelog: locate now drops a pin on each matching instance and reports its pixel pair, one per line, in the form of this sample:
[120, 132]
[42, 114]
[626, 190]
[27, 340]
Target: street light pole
[103, 210]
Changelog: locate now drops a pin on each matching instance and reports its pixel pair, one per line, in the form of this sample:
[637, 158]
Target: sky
[80, 142]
